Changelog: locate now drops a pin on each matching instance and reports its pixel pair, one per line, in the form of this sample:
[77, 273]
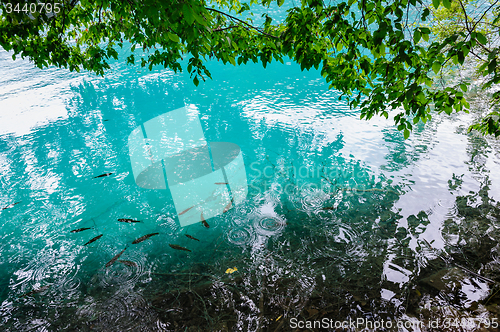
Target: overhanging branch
[241, 21]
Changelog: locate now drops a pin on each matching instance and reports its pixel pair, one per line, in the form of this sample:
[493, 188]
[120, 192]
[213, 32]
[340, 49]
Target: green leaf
[416, 36]
[481, 38]
[188, 14]
[173, 37]
[406, 133]
[446, 4]
[491, 66]
[463, 86]
[436, 3]
[436, 66]
[280, 2]
[196, 81]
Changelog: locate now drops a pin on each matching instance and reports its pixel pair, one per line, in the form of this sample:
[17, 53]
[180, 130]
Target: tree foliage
[382, 55]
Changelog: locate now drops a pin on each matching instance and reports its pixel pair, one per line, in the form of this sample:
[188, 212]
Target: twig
[229, 27]
[459, 266]
[237, 19]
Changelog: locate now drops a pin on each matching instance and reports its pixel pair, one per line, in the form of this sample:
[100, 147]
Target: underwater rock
[447, 280]
[35, 291]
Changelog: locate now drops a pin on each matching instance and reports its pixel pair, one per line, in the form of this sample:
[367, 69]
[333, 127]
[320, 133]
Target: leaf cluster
[380, 54]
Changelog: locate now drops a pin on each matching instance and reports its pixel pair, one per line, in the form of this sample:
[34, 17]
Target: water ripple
[269, 225]
[242, 236]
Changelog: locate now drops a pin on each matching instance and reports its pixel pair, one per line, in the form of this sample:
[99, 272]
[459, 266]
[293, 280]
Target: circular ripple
[126, 271]
[269, 225]
[124, 311]
[309, 198]
[241, 236]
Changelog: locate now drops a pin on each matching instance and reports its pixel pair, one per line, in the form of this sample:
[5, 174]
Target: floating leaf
[231, 270]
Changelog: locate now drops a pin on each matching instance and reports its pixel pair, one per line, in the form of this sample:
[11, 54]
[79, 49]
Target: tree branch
[237, 19]
[229, 27]
[487, 10]
[465, 14]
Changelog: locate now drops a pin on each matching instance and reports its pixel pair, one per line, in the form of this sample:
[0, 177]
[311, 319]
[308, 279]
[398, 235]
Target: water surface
[344, 219]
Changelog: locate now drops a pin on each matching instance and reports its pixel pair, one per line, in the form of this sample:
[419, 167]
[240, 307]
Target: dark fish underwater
[94, 239]
[176, 247]
[102, 175]
[11, 205]
[114, 259]
[128, 263]
[145, 237]
[80, 229]
[192, 238]
[204, 222]
[128, 220]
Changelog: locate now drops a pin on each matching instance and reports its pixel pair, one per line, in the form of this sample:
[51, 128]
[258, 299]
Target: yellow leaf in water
[277, 319]
[230, 270]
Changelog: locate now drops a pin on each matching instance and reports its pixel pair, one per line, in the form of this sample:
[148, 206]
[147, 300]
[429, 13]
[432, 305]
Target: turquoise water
[344, 219]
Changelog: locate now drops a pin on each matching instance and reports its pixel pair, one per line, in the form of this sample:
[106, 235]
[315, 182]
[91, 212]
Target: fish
[94, 239]
[142, 238]
[221, 183]
[227, 207]
[35, 291]
[128, 263]
[192, 238]
[80, 229]
[203, 221]
[102, 175]
[108, 264]
[128, 220]
[328, 208]
[11, 205]
[186, 210]
[176, 247]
